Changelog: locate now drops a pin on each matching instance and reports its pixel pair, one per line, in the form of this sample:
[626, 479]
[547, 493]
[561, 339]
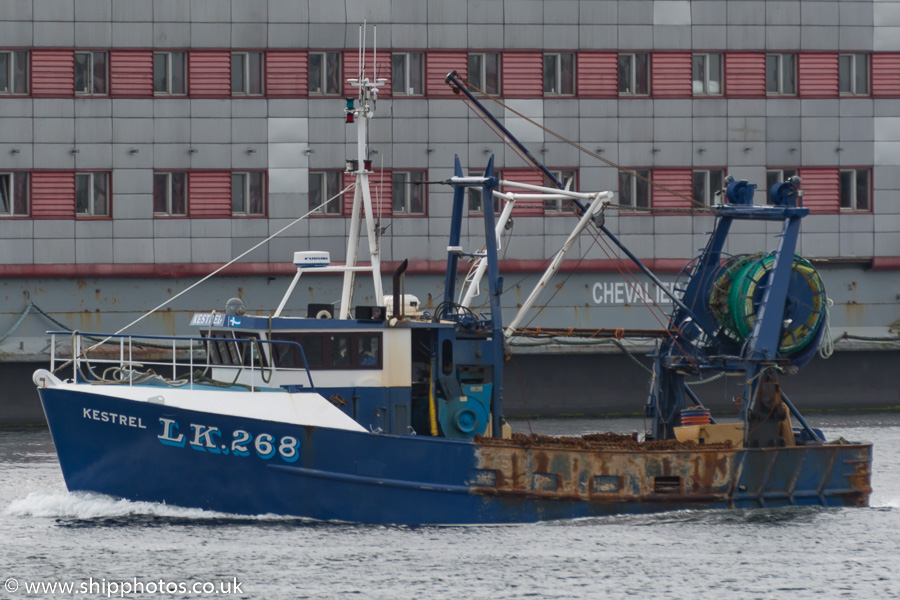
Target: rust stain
[612, 468]
[81, 283]
[855, 313]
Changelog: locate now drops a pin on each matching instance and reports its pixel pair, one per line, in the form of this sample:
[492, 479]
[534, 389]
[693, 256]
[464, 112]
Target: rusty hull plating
[622, 475]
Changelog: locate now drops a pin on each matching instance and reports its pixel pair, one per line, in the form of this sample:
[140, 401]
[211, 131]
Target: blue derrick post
[459, 194]
[495, 284]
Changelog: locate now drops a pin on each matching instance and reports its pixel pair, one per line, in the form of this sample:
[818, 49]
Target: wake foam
[85, 505]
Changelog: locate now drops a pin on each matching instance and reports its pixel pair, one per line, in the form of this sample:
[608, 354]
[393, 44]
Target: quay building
[145, 143]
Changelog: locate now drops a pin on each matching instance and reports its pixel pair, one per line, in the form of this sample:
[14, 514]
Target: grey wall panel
[634, 37]
[857, 245]
[258, 228]
[17, 251]
[99, 35]
[287, 11]
[171, 34]
[519, 35]
[172, 250]
[132, 12]
[132, 228]
[16, 33]
[125, 35]
[132, 109]
[54, 10]
[855, 154]
[249, 35]
[210, 156]
[328, 34]
[288, 35]
[54, 34]
[172, 10]
[241, 245]
[48, 251]
[816, 12]
[94, 250]
[447, 35]
[856, 39]
[16, 229]
[171, 228]
[132, 206]
[133, 251]
[210, 35]
[171, 156]
[210, 250]
[815, 37]
[53, 156]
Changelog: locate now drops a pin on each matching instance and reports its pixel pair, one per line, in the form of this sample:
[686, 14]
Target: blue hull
[150, 452]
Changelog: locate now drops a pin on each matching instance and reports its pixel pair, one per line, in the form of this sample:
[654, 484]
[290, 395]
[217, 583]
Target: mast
[359, 114]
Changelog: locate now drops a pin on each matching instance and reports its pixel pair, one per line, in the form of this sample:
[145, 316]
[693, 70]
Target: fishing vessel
[391, 412]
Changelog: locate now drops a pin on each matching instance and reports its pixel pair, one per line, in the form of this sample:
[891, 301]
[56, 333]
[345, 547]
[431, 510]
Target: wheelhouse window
[14, 72]
[247, 73]
[408, 73]
[569, 179]
[476, 202]
[248, 193]
[774, 176]
[324, 186]
[169, 74]
[707, 182]
[707, 69]
[559, 73]
[484, 71]
[855, 190]
[634, 188]
[13, 194]
[91, 73]
[92, 194]
[853, 74]
[170, 194]
[781, 74]
[325, 73]
[634, 74]
[328, 350]
[408, 192]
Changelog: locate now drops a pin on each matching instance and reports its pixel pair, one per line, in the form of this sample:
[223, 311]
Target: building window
[248, 193]
[569, 179]
[170, 194]
[408, 73]
[324, 186]
[855, 189]
[707, 184]
[559, 73]
[91, 73]
[408, 192]
[92, 194]
[14, 72]
[13, 194]
[476, 203]
[634, 188]
[169, 73]
[325, 73]
[484, 71]
[247, 73]
[853, 74]
[774, 176]
[781, 74]
[707, 70]
[634, 74]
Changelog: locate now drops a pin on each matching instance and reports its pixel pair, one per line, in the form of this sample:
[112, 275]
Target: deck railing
[139, 356]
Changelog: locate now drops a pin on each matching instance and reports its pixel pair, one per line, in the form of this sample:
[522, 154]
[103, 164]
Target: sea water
[55, 544]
